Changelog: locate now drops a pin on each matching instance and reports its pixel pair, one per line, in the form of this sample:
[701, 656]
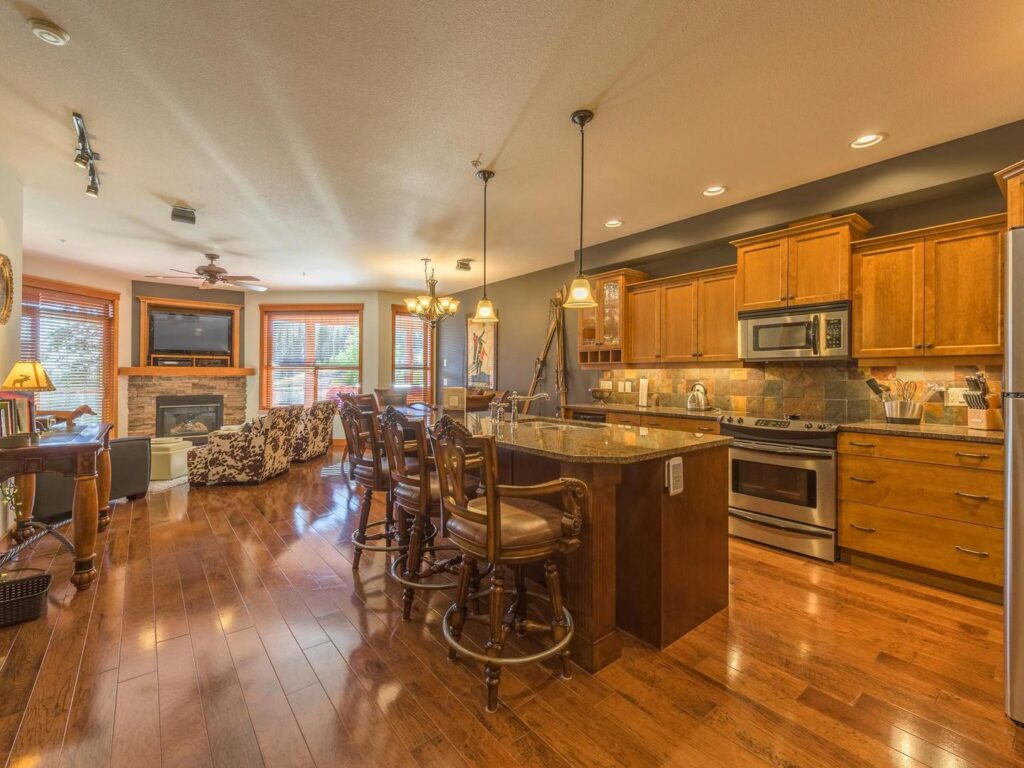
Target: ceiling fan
[212, 276]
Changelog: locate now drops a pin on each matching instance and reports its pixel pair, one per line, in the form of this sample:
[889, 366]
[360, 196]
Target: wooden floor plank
[183, 738]
[136, 738]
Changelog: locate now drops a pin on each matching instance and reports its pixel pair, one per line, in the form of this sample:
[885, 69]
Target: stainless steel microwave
[811, 332]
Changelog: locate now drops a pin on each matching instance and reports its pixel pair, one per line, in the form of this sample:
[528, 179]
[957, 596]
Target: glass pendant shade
[580, 295]
[485, 312]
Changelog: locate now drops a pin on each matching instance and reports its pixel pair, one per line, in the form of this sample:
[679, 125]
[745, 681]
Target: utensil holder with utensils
[903, 411]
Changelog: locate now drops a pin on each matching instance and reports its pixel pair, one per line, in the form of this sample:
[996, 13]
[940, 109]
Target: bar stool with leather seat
[368, 469]
[509, 526]
[417, 497]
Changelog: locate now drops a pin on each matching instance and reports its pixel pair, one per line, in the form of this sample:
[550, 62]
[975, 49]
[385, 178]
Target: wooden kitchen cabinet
[1011, 182]
[687, 318]
[806, 263]
[930, 292]
[603, 330]
[933, 508]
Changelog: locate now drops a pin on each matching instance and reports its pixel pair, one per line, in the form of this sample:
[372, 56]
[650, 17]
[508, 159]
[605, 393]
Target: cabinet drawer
[687, 425]
[954, 453]
[965, 550]
[968, 495]
[629, 419]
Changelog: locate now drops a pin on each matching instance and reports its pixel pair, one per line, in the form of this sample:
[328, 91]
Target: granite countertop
[931, 431]
[586, 443]
[651, 410]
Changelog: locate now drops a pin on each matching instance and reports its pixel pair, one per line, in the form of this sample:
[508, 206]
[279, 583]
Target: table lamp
[28, 376]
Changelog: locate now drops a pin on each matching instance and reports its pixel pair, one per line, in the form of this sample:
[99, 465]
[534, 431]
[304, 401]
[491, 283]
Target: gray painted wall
[187, 293]
[946, 183]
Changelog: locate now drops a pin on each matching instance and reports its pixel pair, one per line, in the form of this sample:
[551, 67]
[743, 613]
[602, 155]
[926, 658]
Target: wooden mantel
[173, 370]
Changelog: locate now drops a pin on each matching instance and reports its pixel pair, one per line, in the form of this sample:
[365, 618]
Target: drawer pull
[705, 429]
[862, 445]
[977, 496]
[967, 551]
[864, 528]
[862, 479]
[967, 455]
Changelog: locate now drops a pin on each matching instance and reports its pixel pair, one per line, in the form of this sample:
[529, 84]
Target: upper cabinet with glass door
[601, 328]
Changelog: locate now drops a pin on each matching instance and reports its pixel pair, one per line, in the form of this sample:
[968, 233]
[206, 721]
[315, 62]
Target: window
[309, 352]
[412, 356]
[72, 331]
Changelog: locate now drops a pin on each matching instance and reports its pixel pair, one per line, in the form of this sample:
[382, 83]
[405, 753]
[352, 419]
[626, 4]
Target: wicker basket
[23, 599]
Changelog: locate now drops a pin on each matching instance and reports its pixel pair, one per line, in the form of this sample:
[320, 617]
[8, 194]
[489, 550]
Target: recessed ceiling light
[613, 223]
[714, 191]
[49, 32]
[867, 140]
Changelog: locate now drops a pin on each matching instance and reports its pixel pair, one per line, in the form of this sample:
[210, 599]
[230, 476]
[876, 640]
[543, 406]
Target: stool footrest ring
[400, 561]
[532, 658]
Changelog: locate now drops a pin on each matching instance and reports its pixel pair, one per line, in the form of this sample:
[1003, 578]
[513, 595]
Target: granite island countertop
[587, 443]
[928, 431]
[651, 410]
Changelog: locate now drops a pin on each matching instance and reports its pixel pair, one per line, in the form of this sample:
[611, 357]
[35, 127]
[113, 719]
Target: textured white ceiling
[328, 144]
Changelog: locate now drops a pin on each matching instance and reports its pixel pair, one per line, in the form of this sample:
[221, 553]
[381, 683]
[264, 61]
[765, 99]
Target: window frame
[428, 389]
[110, 399]
[268, 310]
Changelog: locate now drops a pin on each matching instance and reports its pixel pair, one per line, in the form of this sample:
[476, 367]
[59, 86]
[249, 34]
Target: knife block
[988, 419]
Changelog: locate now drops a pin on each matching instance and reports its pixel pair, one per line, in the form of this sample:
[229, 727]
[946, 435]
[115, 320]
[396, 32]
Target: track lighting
[85, 157]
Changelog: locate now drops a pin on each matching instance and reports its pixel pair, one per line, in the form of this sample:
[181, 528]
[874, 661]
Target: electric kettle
[698, 398]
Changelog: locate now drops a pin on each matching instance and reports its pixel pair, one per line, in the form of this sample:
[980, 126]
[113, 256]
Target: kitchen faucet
[515, 399]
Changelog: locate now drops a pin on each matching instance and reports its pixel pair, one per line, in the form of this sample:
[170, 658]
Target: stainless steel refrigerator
[1013, 415]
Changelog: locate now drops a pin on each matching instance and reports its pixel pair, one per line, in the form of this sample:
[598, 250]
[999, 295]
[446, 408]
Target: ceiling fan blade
[183, 272]
[240, 278]
[246, 286]
[172, 277]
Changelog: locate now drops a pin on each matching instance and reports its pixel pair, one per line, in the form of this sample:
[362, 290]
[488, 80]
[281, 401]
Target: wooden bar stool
[509, 526]
[417, 497]
[368, 470]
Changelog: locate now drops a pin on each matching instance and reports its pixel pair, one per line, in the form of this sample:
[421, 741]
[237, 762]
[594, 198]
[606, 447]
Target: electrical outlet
[955, 395]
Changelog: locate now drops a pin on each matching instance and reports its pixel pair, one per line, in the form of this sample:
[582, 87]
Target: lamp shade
[28, 376]
[485, 312]
[580, 296]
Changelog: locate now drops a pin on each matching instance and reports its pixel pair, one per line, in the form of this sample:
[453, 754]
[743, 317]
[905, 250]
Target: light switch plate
[955, 395]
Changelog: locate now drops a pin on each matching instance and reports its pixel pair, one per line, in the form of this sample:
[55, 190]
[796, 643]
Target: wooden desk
[83, 453]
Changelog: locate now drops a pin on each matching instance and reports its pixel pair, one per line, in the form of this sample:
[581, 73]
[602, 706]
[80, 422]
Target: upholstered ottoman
[168, 458]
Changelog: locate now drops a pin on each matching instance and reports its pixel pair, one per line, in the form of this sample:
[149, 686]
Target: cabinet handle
[862, 445]
[790, 298]
[977, 496]
[967, 551]
[705, 429]
[919, 346]
[929, 346]
[862, 479]
[967, 455]
[864, 528]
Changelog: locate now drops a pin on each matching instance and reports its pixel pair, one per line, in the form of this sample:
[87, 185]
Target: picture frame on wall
[481, 355]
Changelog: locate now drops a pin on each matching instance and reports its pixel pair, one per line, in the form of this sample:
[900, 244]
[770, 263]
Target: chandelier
[431, 309]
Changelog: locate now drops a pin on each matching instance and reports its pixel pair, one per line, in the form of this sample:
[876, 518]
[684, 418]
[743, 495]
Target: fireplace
[189, 416]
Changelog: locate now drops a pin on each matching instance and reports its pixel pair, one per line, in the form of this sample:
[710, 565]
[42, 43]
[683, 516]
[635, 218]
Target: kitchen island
[652, 563]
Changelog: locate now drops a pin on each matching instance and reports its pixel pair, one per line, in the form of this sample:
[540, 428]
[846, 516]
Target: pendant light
[580, 295]
[431, 308]
[485, 311]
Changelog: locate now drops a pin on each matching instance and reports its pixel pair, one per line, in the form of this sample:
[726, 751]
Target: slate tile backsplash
[830, 391]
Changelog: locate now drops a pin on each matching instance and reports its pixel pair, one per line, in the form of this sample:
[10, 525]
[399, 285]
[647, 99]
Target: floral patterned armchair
[316, 429]
[259, 451]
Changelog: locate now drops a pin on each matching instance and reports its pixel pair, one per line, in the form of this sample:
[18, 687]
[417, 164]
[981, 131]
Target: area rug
[158, 486]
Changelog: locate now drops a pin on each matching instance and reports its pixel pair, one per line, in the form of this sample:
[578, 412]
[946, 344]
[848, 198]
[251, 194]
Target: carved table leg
[84, 514]
[26, 485]
[103, 487]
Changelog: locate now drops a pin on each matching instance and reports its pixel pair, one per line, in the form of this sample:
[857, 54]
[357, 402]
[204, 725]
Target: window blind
[310, 354]
[412, 361]
[72, 335]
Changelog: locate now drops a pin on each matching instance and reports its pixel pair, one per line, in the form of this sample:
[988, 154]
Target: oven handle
[802, 453]
[801, 529]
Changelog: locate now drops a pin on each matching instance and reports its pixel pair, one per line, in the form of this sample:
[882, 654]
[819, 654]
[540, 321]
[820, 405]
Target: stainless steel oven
[818, 331]
[782, 483]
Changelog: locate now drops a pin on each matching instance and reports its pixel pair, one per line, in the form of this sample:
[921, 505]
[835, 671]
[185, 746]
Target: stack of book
[17, 414]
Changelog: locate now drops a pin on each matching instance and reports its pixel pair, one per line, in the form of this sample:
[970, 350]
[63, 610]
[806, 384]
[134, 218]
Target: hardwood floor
[227, 628]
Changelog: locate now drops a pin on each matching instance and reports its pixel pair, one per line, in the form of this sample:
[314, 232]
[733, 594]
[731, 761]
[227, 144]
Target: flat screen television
[189, 333]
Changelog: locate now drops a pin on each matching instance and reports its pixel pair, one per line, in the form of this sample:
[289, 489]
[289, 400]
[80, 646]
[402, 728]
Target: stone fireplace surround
[143, 391]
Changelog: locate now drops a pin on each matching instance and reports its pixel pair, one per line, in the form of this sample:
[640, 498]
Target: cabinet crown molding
[995, 220]
[855, 221]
